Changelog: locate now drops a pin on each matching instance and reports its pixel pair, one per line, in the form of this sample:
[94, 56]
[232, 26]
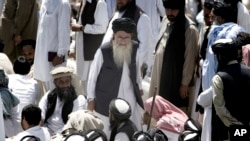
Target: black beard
[66, 94]
[121, 9]
[171, 18]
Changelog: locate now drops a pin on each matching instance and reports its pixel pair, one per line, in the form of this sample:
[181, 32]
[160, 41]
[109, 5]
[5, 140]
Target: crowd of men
[78, 66]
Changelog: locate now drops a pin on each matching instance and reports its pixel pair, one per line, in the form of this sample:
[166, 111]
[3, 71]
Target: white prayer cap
[120, 109]
[61, 71]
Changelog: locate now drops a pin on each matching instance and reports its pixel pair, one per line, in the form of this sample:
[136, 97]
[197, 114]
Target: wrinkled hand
[57, 60]
[184, 91]
[76, 27]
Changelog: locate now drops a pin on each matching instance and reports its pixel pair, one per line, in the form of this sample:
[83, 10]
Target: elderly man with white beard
[115, 73]
[58, 103]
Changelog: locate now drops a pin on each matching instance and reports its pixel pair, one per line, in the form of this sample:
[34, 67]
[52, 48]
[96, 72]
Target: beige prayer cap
[61, 71]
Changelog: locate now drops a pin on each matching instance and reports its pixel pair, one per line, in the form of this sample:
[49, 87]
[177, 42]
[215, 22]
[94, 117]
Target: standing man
[53, 39]
[122, 128]
[115, 72]
[19, 21]
[143, 32]
[232, 79]
[91, 27]
[59, 102]
[175, 56]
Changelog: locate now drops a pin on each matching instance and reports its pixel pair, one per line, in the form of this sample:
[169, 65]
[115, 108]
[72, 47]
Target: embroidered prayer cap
[120, 109]
[174, 4]
[61, 71]
[123, 24]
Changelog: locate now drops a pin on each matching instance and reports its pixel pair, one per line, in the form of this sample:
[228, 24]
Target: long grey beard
[122, 54]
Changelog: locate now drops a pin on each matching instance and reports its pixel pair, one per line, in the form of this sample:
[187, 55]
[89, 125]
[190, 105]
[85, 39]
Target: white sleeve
[43, 104]
[101, 19]
[63, 30]
[144, 35]
[121, 137]
[94, 73]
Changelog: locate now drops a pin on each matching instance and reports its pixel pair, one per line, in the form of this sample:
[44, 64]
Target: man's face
[123, 38]
[29, 53]
[121, 5]
[171, 14]
[208, 18]
[63, 82]
[64, 89]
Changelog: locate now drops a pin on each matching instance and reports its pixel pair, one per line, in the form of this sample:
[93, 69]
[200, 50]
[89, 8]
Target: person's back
[122, 128]
[31, 117]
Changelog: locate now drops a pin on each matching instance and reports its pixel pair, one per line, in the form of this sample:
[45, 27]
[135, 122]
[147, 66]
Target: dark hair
[21, 66]
[226, 11]
[28, 42]
[243, 38]
[209, 4]
[32, 114]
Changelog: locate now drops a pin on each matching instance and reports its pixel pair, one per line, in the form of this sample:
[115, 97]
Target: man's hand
[91, 105]
[17, 39]
[76, 27]
[57, 60]
[184, 91]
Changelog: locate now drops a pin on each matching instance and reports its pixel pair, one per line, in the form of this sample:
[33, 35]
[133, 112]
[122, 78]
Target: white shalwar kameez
[125, 90]
[55, 122]
[99, 27]
[28, 91]
[53, 35]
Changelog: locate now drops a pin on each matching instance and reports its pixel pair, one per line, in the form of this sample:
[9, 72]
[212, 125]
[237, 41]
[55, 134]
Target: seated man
[122, 128]
[58, 103]
[26, 89]
[31, 117]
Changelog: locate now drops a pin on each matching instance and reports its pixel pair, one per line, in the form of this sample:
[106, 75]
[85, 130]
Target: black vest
[91, 42]
[51, 105]
[128, 128]
[108, 81]
[236, 82]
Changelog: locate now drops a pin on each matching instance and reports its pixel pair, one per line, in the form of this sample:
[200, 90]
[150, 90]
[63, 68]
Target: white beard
[122, 54]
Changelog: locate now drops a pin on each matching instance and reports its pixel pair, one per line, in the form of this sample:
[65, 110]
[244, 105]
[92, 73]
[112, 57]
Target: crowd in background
[123, 70]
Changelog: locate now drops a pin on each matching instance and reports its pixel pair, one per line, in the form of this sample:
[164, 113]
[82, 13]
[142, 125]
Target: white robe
[125, 90]
[154, 9]
[243, 17]
[37, 131]
[99, 27]
[143, 34]
[28, 91]
[53, 35]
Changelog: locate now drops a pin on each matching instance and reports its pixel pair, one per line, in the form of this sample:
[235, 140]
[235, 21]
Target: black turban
[123, 24]
[21, 66]
[174, 4]
[120, 109]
